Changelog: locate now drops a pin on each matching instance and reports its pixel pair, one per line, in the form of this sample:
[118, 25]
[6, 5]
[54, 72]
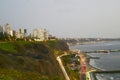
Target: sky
[64, 18]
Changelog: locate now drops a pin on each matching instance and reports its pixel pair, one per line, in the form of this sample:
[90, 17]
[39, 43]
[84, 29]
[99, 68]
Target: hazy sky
[64, 18]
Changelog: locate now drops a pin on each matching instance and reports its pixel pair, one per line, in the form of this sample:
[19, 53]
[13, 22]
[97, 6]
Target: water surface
[106, 61]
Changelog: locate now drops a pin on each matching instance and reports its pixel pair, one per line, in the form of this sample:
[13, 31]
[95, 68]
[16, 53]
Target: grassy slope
[29, 61]
[8, 46]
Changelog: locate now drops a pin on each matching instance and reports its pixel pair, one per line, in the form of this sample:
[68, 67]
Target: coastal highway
[83, 64]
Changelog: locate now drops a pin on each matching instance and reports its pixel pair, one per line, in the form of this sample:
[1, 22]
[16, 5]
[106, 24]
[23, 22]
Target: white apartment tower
[46, 34]
[8, 29]
[40, 34]
[21, 32]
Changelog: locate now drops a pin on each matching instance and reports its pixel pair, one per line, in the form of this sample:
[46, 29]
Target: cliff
[30, 60]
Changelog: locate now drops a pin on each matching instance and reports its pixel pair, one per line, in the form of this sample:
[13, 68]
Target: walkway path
[62, 67]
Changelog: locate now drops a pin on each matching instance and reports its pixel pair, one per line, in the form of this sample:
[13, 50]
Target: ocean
[107, 61]
[98, 46]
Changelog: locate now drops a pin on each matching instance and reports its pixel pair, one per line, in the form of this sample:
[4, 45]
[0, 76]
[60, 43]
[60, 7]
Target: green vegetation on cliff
[20, 60]
[72, 66]
[8, 46]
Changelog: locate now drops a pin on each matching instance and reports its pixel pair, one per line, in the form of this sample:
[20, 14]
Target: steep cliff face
[31, 58]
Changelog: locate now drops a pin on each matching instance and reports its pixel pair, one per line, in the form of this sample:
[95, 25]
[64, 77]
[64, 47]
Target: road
[83, 64]
[83, 67]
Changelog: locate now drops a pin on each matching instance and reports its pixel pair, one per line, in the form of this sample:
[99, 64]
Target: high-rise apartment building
[22, 32]
[46, 34]
[40, 34]
[8, 30]
[25, 32]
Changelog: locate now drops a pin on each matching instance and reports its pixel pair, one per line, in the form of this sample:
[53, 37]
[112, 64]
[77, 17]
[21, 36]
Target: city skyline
[64, 18]
[6, 32]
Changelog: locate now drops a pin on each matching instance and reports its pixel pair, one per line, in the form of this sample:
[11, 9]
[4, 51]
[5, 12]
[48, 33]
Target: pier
[102, 51]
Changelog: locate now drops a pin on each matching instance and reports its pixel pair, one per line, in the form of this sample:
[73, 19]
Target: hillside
[22, 60]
